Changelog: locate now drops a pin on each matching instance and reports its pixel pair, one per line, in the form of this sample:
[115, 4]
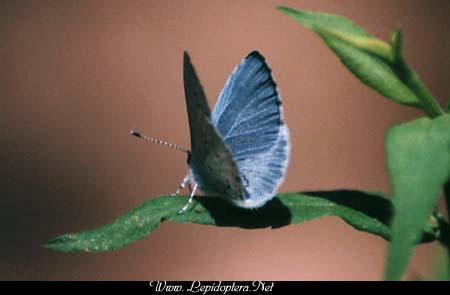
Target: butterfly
[240, 151]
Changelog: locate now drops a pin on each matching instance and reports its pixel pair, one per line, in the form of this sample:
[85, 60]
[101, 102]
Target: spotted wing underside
[210, 159]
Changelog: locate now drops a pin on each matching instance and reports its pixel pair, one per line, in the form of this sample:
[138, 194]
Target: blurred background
[76, 76]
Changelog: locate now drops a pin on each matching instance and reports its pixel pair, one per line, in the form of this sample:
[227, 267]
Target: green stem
[411, 79]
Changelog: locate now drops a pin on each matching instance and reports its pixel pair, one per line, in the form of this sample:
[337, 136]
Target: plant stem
[411, 79]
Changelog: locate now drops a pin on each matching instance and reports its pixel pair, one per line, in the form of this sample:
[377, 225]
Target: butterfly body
[240, 151]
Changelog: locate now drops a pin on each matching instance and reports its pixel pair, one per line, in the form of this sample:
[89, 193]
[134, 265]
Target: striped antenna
[154, 140]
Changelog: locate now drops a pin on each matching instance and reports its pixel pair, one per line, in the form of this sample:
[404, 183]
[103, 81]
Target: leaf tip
[59, 243]
[282, 8]
[287, 10]
[396, 43]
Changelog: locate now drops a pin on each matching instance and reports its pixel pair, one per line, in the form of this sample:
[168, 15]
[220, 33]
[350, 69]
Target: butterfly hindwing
[264, 172]
[211, 161]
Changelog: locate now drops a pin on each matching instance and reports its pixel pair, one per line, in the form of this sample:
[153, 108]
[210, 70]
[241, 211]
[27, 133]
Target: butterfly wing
[249, 117]
[211, 161]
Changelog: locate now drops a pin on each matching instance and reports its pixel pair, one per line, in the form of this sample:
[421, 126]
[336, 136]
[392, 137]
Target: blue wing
[249, 117]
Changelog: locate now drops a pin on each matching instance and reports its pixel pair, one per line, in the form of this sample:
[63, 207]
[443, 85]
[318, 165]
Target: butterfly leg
[191, 197]
[190, 182]
[186, 179]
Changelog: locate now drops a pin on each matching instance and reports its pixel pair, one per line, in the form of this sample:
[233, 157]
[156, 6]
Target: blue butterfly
[241, 150]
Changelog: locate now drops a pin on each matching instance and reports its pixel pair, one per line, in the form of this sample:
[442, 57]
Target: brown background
[76, 76]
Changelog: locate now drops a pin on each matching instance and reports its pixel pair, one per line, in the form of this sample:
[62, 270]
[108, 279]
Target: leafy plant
[418, 152]
[418, 160]
[369, 212]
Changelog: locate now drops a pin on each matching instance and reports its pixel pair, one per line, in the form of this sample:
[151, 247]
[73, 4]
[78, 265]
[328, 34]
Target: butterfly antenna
[154, 140]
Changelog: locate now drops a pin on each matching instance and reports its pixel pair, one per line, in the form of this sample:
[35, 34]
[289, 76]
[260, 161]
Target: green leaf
[447, 198]
[445, 238]
[447, 107]
[418, 155]
[368, 58]
[369, 212]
